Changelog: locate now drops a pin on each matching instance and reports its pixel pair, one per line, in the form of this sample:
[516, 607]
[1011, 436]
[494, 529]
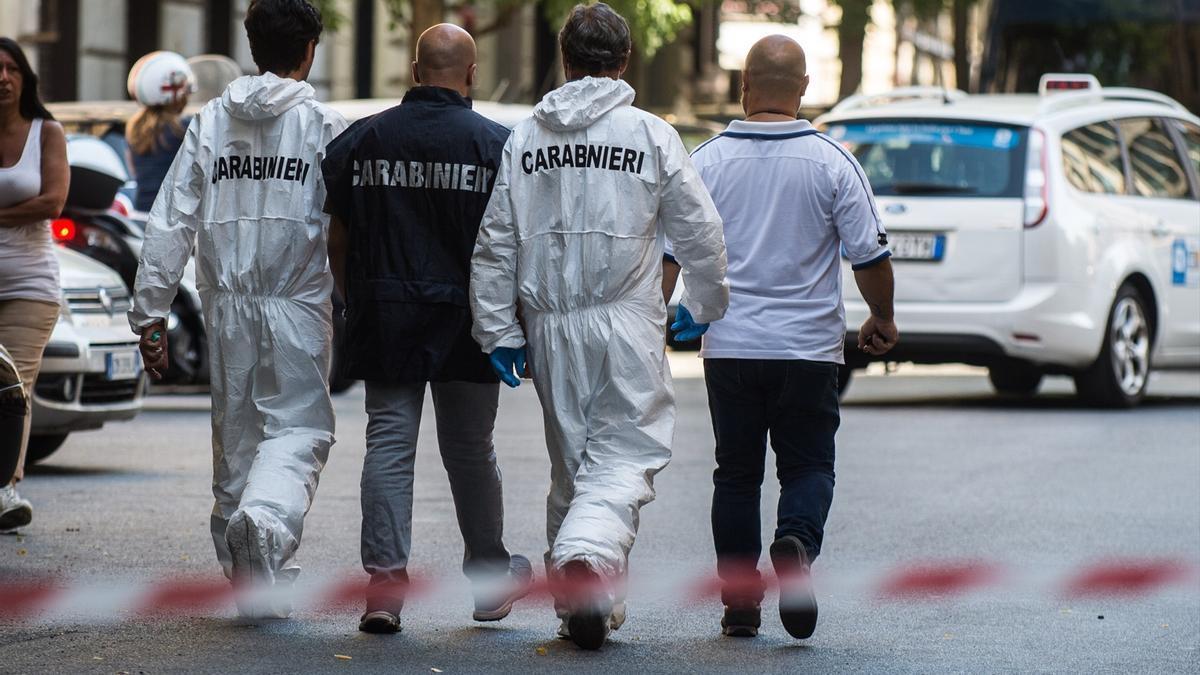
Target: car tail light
[63, 229]
[1037, 194]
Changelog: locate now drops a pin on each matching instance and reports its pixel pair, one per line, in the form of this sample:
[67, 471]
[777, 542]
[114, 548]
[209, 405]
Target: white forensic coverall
[586, 191]
[246, 187]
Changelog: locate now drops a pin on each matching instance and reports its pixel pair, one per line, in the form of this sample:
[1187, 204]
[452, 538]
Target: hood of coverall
[259, 97]
[579, 103]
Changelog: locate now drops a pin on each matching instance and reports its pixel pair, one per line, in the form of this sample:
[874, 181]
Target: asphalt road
[931, 466]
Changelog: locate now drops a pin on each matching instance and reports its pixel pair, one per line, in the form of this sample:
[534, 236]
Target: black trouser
[796, 402]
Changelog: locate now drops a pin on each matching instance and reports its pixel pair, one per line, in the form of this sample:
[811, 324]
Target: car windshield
[952, 159]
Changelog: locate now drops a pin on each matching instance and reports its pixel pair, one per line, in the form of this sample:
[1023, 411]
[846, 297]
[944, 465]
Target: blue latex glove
[685, 327]
[509, 363]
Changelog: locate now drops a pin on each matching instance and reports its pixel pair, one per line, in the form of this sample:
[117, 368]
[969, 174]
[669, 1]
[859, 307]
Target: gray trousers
[466, 416]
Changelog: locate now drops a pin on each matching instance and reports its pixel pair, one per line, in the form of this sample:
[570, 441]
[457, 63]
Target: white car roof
[508, 114]
[1055, 111]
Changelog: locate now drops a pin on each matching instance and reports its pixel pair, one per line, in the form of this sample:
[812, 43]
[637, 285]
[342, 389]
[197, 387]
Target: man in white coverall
[586, 192]
[246, 187]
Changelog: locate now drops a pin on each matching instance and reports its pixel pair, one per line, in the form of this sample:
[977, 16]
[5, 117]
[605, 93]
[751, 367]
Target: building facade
[83, 49]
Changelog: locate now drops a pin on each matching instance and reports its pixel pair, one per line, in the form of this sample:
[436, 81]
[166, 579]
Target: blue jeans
[796, 403]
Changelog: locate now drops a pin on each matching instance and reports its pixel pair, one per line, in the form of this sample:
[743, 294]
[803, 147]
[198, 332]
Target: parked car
[91, 370]
[693, 131]
[1034, 234]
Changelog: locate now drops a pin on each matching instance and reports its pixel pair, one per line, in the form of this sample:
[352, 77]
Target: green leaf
[653, 23]
[330, 16]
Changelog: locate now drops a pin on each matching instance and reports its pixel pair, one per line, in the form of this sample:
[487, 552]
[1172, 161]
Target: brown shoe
[379, 621]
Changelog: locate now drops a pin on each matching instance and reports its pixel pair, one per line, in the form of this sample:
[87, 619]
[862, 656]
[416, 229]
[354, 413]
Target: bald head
[445, 58]
[775, 76]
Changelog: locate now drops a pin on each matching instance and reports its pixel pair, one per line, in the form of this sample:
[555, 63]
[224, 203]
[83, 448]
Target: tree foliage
[781, 11]
[856, 16]
[332, 18]
[653, 23]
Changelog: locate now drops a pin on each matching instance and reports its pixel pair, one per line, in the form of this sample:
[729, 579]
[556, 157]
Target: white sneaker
[15, 511]
[257, 592]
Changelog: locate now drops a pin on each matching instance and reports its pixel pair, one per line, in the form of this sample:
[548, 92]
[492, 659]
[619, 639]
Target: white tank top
[28, 268]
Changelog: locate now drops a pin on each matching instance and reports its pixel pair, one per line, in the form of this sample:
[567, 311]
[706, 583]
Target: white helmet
[160, 78]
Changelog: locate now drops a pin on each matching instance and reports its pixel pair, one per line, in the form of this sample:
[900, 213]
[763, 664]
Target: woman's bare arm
[56, 179]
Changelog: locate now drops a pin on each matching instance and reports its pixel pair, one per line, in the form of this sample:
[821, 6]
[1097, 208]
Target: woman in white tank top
[33, 188]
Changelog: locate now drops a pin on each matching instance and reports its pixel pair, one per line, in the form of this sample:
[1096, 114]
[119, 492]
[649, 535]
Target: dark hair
[30, 105]
[279, 32]
[594, 39]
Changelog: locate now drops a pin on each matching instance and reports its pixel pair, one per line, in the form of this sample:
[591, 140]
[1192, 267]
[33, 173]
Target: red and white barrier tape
[107, 600]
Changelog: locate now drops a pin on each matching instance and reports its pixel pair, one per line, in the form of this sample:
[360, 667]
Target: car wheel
[41, 447]
[845, 372]
[1015, 378]
[1120, 374]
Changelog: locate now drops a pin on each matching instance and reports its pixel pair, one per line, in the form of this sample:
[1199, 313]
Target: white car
[1056, 232]
[91, 369]
[507, 114]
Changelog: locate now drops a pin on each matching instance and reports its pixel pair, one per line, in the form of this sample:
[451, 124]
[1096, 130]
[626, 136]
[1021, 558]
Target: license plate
[122, 365]
[926, 246]
[92, 320]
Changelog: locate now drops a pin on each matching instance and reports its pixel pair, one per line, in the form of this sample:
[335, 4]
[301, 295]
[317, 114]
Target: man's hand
[877, 336]
[509, 364]
[153, 346]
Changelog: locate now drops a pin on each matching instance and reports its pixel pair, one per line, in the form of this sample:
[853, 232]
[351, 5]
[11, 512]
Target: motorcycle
[99, 224]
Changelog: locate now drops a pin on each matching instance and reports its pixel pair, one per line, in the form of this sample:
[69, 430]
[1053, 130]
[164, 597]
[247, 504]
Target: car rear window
[936, 158]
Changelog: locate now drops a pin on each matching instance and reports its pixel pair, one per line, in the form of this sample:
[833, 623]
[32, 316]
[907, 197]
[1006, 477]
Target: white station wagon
[1056, 233]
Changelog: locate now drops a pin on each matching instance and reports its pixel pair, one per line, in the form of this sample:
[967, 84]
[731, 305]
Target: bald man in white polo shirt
[792, 200]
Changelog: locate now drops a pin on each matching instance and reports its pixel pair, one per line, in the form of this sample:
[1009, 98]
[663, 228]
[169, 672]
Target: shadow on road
[1033, 404]
[85, 471]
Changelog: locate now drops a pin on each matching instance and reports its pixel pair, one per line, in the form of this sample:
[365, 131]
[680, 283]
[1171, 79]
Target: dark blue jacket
[411, 184]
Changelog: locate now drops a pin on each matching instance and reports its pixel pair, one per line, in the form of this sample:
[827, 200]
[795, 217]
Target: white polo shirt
[792, 200]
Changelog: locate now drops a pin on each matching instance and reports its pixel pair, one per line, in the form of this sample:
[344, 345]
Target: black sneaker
[797, 602]
[590, 604]
[494, 600]
[741, 621]
[379, 621]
